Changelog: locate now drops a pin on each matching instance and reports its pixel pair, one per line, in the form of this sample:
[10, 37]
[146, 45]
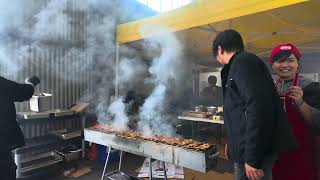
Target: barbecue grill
[182, 156]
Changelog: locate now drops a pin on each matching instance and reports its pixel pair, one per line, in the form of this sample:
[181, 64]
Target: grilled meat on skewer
[129, 134]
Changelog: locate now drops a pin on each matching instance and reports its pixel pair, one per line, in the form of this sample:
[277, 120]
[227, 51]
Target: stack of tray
[195, 114]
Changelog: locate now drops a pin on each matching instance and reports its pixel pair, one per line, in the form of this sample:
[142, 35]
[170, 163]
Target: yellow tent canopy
[263, 24]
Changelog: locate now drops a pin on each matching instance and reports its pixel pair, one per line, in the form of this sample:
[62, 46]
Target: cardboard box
[41, 102]
[194, 175]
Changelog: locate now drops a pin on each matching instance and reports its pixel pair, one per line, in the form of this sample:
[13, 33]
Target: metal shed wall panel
[52, 64]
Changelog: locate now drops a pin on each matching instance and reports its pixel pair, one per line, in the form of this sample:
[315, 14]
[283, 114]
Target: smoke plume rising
[118, 110]
[72, 45]
[164, 71]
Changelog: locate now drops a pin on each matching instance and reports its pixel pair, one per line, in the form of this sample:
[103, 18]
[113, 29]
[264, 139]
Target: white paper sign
[173, 171]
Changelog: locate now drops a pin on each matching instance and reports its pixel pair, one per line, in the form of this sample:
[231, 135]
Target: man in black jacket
[256, 126]
[11, 136]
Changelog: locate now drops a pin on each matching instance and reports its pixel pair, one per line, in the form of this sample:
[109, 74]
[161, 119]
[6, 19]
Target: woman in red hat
[300, 99]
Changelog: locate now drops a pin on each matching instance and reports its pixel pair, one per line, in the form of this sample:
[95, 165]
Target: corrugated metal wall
[53, 65]
[65, 92]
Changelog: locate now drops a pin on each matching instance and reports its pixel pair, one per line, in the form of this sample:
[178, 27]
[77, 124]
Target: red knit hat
[285, 47]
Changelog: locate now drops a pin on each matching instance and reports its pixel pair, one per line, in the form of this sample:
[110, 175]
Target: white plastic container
[40, 102]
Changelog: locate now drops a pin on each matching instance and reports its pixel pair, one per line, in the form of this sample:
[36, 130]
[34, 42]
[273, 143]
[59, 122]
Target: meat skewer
[186, 143]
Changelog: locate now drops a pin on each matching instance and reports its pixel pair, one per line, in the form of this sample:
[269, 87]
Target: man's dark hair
[229, 41]
[212, 80]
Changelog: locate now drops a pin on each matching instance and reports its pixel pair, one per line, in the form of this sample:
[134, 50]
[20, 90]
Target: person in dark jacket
[11, 136]
[255, 123]
[212, 94]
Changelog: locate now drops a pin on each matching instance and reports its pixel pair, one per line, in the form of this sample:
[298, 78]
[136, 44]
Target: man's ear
[220, 50]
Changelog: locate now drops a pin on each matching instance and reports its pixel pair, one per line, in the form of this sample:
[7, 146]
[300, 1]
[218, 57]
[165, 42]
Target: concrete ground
[131, 163]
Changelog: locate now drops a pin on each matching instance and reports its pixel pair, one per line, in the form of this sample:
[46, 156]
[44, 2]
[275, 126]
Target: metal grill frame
[163, 152]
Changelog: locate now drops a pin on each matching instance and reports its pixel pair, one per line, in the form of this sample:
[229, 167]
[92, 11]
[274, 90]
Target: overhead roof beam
[199, 13]
[214, 29]
[206, 29]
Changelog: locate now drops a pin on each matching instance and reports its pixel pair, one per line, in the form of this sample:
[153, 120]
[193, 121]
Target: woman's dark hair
[229, 41]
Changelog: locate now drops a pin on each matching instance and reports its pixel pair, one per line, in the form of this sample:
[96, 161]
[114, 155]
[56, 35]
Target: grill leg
[120, 161]
[150, 168]
[164, 170]
[105, 164]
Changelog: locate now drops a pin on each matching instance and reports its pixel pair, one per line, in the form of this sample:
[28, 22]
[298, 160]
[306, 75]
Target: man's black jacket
[11, 136]
[255, 122]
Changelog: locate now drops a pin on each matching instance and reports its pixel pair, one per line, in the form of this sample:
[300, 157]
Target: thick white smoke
[118, 110]
[6, 64]
[151, 114]
[165, 69]
[11, 16]
[52, 22]
[80, 37]
[132, 72]
[11, 13]
[85, 33]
